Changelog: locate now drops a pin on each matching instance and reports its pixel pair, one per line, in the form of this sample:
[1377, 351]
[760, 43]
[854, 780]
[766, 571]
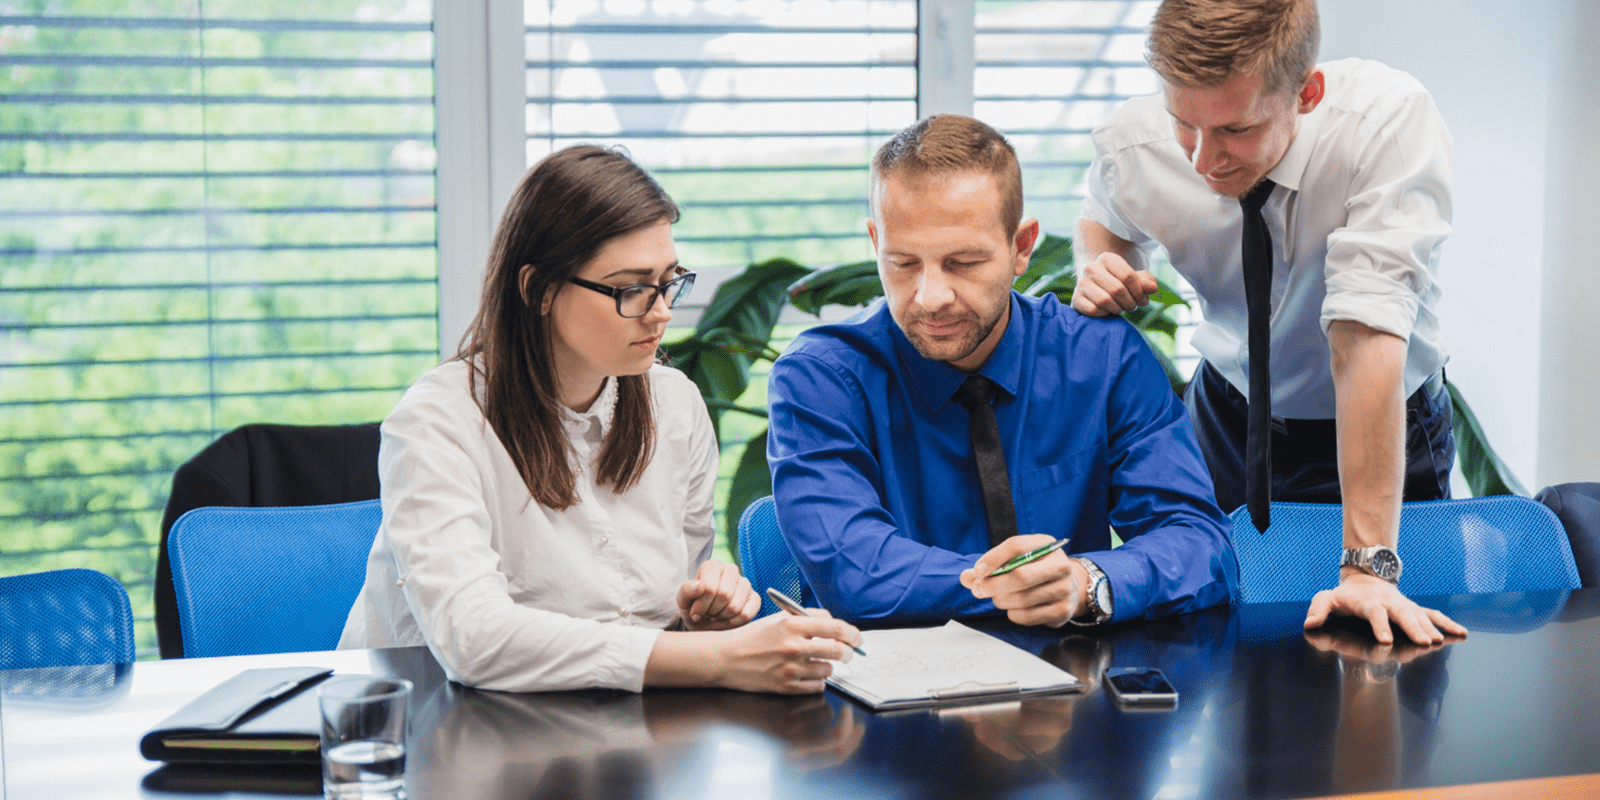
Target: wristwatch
[1099, 594]
[1379, 560]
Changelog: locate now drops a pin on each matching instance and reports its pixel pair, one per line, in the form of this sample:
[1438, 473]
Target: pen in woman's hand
[794, 608]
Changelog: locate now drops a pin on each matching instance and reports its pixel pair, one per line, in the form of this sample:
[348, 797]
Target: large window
[216, 212]
[760, 117]
[212, 212]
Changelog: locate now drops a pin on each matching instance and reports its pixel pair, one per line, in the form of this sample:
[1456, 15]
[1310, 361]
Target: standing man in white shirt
[1328, 187]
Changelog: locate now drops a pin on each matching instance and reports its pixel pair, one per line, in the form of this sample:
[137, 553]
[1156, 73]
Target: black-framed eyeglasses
[637, 299]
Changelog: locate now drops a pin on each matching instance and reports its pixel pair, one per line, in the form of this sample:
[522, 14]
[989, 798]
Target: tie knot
[975, 390]
[1258, 196]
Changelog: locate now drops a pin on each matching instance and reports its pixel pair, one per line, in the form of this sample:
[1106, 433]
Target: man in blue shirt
[873, 468]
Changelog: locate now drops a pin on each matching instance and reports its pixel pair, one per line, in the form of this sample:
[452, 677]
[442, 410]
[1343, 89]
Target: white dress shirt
[513, 596]
[1357, 219]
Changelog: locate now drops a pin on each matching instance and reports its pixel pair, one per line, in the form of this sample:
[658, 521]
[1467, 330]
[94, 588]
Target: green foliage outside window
[201, 225]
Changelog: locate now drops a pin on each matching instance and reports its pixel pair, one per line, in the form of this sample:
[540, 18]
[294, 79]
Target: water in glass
[363, 769]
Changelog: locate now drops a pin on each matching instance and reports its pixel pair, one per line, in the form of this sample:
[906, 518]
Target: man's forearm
[1368, 367]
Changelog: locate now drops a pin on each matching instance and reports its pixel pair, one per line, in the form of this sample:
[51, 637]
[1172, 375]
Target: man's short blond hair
[1198, 44]
[943, 145]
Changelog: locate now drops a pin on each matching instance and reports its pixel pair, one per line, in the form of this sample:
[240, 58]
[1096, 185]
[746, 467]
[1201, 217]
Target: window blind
[758, 117]
[1046, 74]
[212, 213]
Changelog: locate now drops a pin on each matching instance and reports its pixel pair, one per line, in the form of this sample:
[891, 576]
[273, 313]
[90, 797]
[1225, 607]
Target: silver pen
[794, 608]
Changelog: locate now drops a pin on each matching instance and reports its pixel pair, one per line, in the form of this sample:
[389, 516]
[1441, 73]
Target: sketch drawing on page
[938, 662]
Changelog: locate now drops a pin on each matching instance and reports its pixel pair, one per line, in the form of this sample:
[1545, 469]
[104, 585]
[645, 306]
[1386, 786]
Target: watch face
[1385, 564]
[1102, 594]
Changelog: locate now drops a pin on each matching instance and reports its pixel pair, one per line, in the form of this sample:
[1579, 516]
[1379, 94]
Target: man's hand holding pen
[1046, 590]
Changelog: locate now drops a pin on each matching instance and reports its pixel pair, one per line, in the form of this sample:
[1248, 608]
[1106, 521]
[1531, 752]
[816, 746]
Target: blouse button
[622, 612]
[605, 539]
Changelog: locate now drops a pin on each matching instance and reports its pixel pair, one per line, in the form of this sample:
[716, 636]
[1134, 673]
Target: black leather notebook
[260, 716]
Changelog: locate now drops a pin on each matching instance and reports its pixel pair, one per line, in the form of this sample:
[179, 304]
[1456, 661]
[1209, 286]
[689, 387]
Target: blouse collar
[599, 414]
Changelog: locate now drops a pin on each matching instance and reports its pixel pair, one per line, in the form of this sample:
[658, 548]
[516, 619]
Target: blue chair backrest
[765, 559]
[64, 618]
[277, 579]
[1503, 543]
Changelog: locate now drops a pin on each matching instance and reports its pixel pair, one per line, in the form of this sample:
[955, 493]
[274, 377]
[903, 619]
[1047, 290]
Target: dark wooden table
[1265, 712]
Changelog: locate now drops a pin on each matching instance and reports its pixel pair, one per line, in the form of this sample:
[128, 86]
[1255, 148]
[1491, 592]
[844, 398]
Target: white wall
[1569, 433]
[1489, 65]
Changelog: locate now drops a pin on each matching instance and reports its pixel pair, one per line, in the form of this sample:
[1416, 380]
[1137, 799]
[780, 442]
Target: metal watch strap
[1097, 578]
[1366, 559]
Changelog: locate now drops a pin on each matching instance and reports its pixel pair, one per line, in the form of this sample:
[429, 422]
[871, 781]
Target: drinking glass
[363, 736]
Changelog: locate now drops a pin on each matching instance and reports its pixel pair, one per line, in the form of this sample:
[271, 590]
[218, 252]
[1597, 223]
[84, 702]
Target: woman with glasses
[547, 492]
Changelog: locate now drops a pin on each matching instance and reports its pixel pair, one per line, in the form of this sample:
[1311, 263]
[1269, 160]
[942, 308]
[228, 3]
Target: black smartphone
[1140, 686]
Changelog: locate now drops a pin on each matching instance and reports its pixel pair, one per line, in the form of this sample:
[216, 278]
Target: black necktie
[1257, 251]
[975, 393]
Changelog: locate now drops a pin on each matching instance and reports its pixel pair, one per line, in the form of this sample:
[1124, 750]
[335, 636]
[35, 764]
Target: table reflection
[1366, 741]
[1351, 714]
[1035, 727]
[476, 743]
[82, 687]
[1267, 711]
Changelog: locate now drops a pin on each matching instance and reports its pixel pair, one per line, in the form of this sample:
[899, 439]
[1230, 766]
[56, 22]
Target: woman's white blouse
[513, 596]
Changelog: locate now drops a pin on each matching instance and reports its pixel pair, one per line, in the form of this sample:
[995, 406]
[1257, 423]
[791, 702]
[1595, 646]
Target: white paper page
[920, 663]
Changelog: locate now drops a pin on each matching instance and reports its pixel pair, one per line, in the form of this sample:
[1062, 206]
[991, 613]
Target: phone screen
[1140, 685]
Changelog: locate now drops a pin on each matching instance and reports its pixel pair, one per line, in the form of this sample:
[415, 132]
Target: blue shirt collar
[937, 381]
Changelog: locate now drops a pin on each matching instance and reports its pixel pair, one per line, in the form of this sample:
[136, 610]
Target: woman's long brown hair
[564, 209]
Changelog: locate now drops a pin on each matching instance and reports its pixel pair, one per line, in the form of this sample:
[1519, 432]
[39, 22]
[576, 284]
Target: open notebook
[909, 667]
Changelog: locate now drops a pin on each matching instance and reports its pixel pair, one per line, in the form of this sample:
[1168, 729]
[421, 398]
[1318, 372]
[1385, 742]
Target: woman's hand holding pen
[717, 599]
[784, 653]
[778, 653]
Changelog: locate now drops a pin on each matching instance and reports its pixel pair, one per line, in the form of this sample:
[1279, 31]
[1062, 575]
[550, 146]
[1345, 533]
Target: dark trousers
[1305, 462]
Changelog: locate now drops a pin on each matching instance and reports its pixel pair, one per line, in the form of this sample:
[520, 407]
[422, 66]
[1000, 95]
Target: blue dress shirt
[877, 492]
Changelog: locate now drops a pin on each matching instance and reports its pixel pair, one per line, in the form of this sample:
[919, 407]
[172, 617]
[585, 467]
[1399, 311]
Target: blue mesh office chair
[765, 559]
[64, 618]
[1483, 544]
[264, 465]
[275, 579]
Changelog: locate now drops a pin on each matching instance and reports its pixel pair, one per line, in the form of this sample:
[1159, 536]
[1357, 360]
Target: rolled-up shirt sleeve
[1384, 258]
[1099, 202]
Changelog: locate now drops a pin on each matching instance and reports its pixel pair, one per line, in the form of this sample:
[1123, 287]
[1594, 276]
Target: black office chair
[264, 465]
[1577, 505]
